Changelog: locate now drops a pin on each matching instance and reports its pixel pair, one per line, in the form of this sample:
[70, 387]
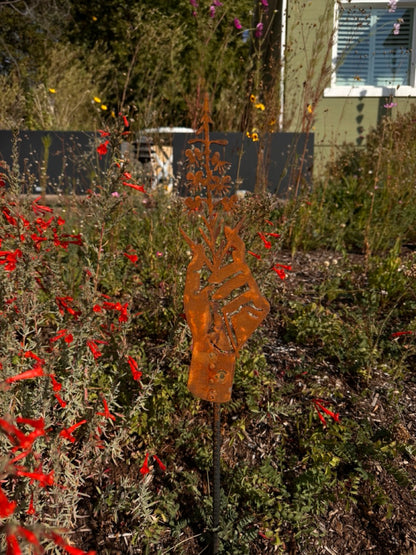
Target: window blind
[368, 51]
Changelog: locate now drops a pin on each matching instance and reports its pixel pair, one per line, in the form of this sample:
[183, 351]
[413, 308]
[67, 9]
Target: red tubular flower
[132, 257]
[266, 242]
[12, 545]
[320, 406]
[102, 148]
[59, 540]
[254, 254]
[94, 349]
[134, 367]
[29, 536]
[134, 186]
[280, 270]
[59, 335]
[63, 305]
[67, 432]
[106, 412]
[38, 423]
[19, 438]
[66, 239]
[123, 313]
[37, 240]
[104, 133]
[31, 354]
[60, 400]
[145, 467]
[43, 479]
[39, 208]
[36, 372]
[159, 462]
[42, 225]
[399, 333]
[31, 508]
[56, 386]
[62, 334]
[6, 507]
[9, 217]
[26, 223]
[273, 234]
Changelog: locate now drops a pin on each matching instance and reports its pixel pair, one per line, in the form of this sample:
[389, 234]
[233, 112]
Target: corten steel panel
[223, 304]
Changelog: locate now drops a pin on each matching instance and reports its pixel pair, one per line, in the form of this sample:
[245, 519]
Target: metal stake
[216, 457]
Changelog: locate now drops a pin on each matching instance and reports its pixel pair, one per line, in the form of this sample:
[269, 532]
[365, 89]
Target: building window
[374, 49]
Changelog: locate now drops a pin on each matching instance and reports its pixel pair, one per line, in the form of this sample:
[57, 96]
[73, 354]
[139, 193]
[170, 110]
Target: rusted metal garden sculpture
[223, 304]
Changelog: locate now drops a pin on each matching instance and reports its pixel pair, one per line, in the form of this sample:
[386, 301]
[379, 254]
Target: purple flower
[390, 105]
[392, 6]
[264, 3]
[193, 3]
[259, 30]
[396, 28]
[212, 11]
[237, 24]
[217, 3]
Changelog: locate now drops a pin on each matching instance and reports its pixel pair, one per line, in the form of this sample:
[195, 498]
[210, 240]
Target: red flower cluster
[145, 466]
[118, 307]
[62, 334]
[13, 546]
[128, 177]
[63, 305]
[9, 259]
[320, 407]
[280, 269]
[96, 353]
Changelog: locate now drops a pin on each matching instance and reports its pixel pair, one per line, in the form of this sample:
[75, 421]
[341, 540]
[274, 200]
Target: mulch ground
[362, 528]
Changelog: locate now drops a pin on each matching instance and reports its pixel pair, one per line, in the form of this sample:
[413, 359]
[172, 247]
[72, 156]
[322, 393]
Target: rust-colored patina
[223, 304]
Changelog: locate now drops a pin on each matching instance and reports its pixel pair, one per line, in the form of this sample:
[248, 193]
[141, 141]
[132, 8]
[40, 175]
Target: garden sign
[223, 304]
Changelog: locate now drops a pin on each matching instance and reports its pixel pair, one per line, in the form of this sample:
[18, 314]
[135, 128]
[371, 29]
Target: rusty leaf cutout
[223, 304]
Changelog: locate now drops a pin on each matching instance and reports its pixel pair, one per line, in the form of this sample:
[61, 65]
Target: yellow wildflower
[252, 98]
[103, 107]
[310, 109]
[94, 18]
[97, 99]
[52, 91]
[259, 106]
[254, 137]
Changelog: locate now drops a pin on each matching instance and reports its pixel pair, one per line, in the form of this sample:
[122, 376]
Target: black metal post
[216, 457]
